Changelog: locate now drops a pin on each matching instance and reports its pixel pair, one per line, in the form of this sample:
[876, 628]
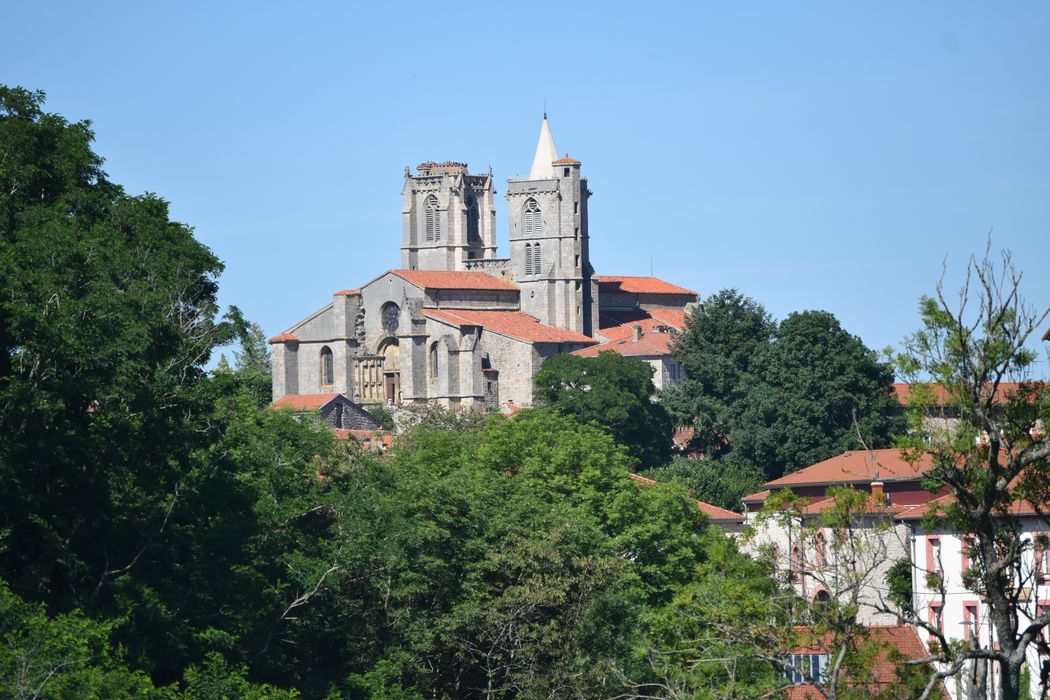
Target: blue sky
[813, 155]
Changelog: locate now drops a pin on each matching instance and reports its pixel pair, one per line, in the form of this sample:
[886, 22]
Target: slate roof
[304, 401]
[443, 279]
[513, 324]
[639, 285]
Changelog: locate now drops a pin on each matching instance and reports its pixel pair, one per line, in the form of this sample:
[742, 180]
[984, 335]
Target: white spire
[546, 153]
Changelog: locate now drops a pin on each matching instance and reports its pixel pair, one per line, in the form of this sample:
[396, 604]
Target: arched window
[533, 218]
[528, 258]
[536, 263]
[821, 550]
[433, 361]
[327, 367]
[433, 232]
[472, 220]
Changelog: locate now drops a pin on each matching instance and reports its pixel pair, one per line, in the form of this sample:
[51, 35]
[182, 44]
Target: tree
[994, 456]
[107, 319]
[614, 392]
[718, 482]
[716, 352]
[805, 393]
[252, 363]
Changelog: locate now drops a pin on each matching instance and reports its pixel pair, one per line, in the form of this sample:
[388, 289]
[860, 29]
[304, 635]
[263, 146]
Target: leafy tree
[252, 363]
[614, 392]
[716, 353]
[996, 454]
[107, 319]
[809, 392]
[718, 482]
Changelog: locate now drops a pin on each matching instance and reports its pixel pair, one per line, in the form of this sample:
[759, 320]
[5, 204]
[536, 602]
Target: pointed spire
[546, 153]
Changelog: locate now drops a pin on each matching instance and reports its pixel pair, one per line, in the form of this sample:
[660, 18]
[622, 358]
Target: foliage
[994, 455]
[614, 392]
[715, 481]
[252, 364]
[806, 391]
[385, 417]
[716, 352]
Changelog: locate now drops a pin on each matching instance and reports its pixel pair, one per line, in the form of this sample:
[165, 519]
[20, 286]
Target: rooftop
[513, 324]
[639, 285]
[857, 467]
[443, 279]
[304, 401]
[652, 344]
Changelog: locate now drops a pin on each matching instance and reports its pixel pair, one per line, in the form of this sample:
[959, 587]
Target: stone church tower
[448, 217]
[549, 256]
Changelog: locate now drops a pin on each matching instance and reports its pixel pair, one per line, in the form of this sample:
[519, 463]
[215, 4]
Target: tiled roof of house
[513, 324]
[283, 338]
[857, 467]
[759, 497]
[639, 285]
[304, 401]
[713, 512]
[1017, 508]
[892, 640]
[348, 293]
[940, 394]
[618, 324]
[366, 438]
[649, 345]
[444, 279]
[566, 161]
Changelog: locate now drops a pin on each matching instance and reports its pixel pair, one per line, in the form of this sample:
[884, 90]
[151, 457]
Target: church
[458, 326]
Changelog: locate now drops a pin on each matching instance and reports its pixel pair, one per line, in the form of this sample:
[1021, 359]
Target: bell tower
[448, 217]
[549, 250]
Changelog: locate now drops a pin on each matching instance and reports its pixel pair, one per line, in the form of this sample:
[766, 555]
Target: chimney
[877, 491]
[636, 333]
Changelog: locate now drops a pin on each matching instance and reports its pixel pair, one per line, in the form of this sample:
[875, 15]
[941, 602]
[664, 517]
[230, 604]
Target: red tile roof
[651, 344]
[566, 161]
[348, 293]
[759, 497]
[857, 467]
[367, 438]
[304, 401]
[283, 338]
[616, 325]
[902, 639]
[444, 279]
[940, 394]
[513, 324]
[639, 285]
[713, 512]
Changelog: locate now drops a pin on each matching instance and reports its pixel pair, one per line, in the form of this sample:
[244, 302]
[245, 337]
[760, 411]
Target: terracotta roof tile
[649, 345]
[348, 293]
[566, 161]
[513, 324]
[759, 497]
[304, 401]
[367, 438]
[857, 467]
[940, 394]
[639, 285]
[444, 279]
[283, 338]
[618, 324]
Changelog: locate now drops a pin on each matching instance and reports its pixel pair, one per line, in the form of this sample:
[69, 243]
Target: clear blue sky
[812, 155]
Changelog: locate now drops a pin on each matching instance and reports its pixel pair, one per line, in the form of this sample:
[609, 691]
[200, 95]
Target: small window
[528, 258]
[472, 220]
[577, 265]
[327, 367]
[565, 172]
[575, 207]
[536, 263]
[433, 361]
[970, 622]
[577, 232]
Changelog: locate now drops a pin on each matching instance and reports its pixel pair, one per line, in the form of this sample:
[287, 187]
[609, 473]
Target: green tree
[252, 363]
[995, 455]
[614, 392]
[718, 482]
[716, 352]
[809, 392]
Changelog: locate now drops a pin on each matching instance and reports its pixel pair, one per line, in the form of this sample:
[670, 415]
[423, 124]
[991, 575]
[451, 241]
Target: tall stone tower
[549, 246]
[449, 216]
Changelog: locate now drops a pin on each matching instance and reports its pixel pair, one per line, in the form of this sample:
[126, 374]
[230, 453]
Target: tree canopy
[614, 392]
[805, 390]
